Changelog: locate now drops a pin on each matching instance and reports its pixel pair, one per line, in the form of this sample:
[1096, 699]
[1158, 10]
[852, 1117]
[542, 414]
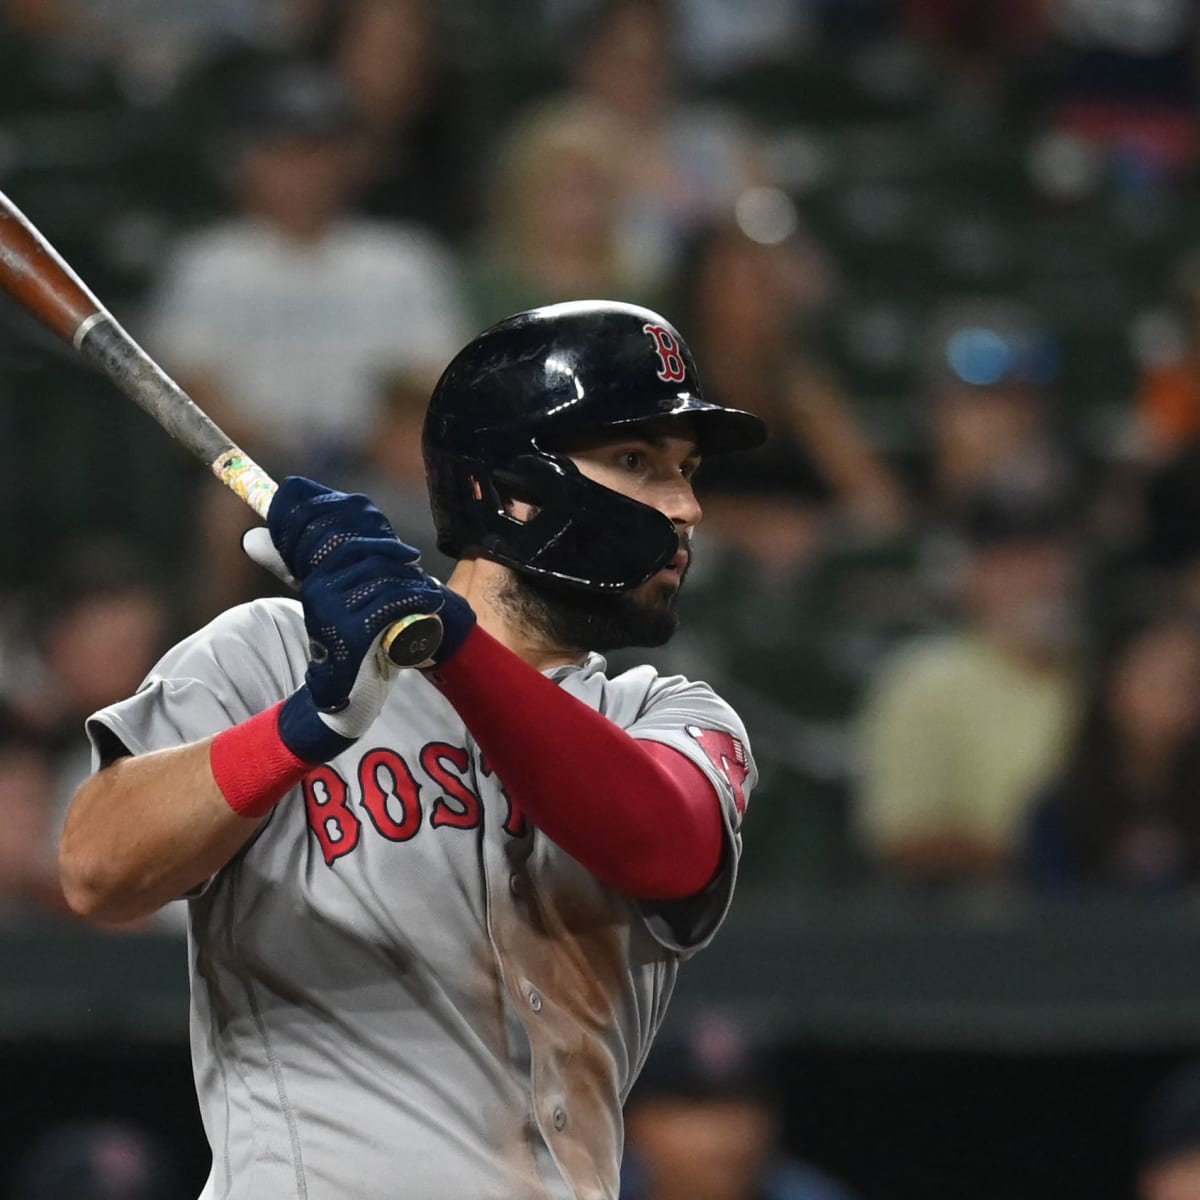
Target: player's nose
[682, 506]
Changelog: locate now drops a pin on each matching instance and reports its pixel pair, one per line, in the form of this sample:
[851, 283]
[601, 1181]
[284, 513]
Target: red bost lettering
[327, 804]
[390, 794]
[467, 811]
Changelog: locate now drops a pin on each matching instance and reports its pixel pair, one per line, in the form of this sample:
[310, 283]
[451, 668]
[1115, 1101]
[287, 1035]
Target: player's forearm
[144, 831]
[639, 815]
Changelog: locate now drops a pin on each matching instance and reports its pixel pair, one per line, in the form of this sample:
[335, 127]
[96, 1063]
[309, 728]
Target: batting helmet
[509, 398]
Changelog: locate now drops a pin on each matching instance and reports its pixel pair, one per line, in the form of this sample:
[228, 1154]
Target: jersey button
[535, 1000]
[560, 1119]
[515, 885]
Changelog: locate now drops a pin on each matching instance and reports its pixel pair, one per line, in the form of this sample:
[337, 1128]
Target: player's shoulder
[281, 616]
[636, 691]
[266, 635]
[647, 680]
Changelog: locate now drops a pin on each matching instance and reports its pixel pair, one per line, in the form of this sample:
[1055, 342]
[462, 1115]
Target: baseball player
[435, 915]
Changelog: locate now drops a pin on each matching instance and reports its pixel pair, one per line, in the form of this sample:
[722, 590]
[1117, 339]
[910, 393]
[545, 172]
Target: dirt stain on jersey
[518, 1133]
[571, 942]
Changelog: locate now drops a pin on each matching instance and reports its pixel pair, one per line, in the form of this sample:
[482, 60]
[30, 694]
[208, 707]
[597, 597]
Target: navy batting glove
[458, 619]
[308, 521]
[356, 578]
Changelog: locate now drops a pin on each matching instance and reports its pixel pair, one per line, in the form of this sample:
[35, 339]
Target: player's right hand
[356, 578]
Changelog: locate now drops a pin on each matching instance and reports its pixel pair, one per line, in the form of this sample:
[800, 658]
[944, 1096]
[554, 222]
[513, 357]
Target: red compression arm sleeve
[639, 815]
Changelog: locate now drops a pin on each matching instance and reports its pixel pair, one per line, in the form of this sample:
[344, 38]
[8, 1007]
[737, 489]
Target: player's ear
[517, 506]
[522, 510]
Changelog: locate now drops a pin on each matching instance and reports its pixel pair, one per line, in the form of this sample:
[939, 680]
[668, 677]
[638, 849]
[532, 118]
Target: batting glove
[355, 578]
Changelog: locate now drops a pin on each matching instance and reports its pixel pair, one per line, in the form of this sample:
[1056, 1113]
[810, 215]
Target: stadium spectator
[990, 417]
[28, 876]
[283, 319]
[1125, 78]
[1122, 815]
[959, 730]
[683, 162]
[152, 47]
[95, 1160]
[1168, 395]
[737, 303]
[98, 623]
[715, 40]
[1170, 1163]
[703, 1121]
[420, 113]
[46, 63]
[1165, 465]
[979, 48]
[551, 231]
[1163, 485]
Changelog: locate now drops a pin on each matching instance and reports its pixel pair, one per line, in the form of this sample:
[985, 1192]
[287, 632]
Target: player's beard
[572, 619]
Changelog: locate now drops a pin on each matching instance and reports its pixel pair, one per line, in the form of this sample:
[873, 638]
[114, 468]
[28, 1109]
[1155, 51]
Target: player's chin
[649, 613]
[656, 595]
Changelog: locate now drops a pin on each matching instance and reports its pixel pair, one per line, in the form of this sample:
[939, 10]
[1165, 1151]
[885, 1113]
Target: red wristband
[252, 766]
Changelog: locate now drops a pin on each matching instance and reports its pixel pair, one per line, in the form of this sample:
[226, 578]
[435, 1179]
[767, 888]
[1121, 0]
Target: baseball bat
[37, 277]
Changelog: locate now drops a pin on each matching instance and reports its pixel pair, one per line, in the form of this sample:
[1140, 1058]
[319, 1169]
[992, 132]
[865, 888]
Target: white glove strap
[367, 695]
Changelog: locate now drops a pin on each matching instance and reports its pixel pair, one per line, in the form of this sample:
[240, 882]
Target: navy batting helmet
[513, 393]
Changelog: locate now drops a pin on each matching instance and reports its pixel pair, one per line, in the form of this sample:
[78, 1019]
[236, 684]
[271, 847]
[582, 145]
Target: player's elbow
[96, 893]
[81, 888]
[94, 882]
[87, 887]
[83, 899]
[678, 866]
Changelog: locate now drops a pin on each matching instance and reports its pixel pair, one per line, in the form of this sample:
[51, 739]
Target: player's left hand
[355, 579]
[307, 522]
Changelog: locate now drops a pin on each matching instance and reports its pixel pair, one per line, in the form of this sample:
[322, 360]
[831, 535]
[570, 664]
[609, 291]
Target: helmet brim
[718, 430]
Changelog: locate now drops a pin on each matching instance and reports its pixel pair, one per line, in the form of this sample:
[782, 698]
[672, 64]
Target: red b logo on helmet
[666, 346]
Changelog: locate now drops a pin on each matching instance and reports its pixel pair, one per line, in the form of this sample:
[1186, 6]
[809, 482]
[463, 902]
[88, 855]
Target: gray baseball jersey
[399, 987]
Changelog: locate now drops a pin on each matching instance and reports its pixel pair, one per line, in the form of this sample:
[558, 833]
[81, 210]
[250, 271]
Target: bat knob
[413, 640]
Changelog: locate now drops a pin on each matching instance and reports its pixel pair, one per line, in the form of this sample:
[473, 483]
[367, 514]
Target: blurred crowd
[949, 250]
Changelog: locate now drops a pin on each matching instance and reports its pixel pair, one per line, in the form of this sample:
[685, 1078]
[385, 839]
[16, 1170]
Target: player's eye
[632, 460]
[689, 468]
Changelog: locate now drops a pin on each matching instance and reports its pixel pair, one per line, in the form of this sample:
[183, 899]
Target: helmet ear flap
[577, 526]
[489, 492]
[509, 488]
